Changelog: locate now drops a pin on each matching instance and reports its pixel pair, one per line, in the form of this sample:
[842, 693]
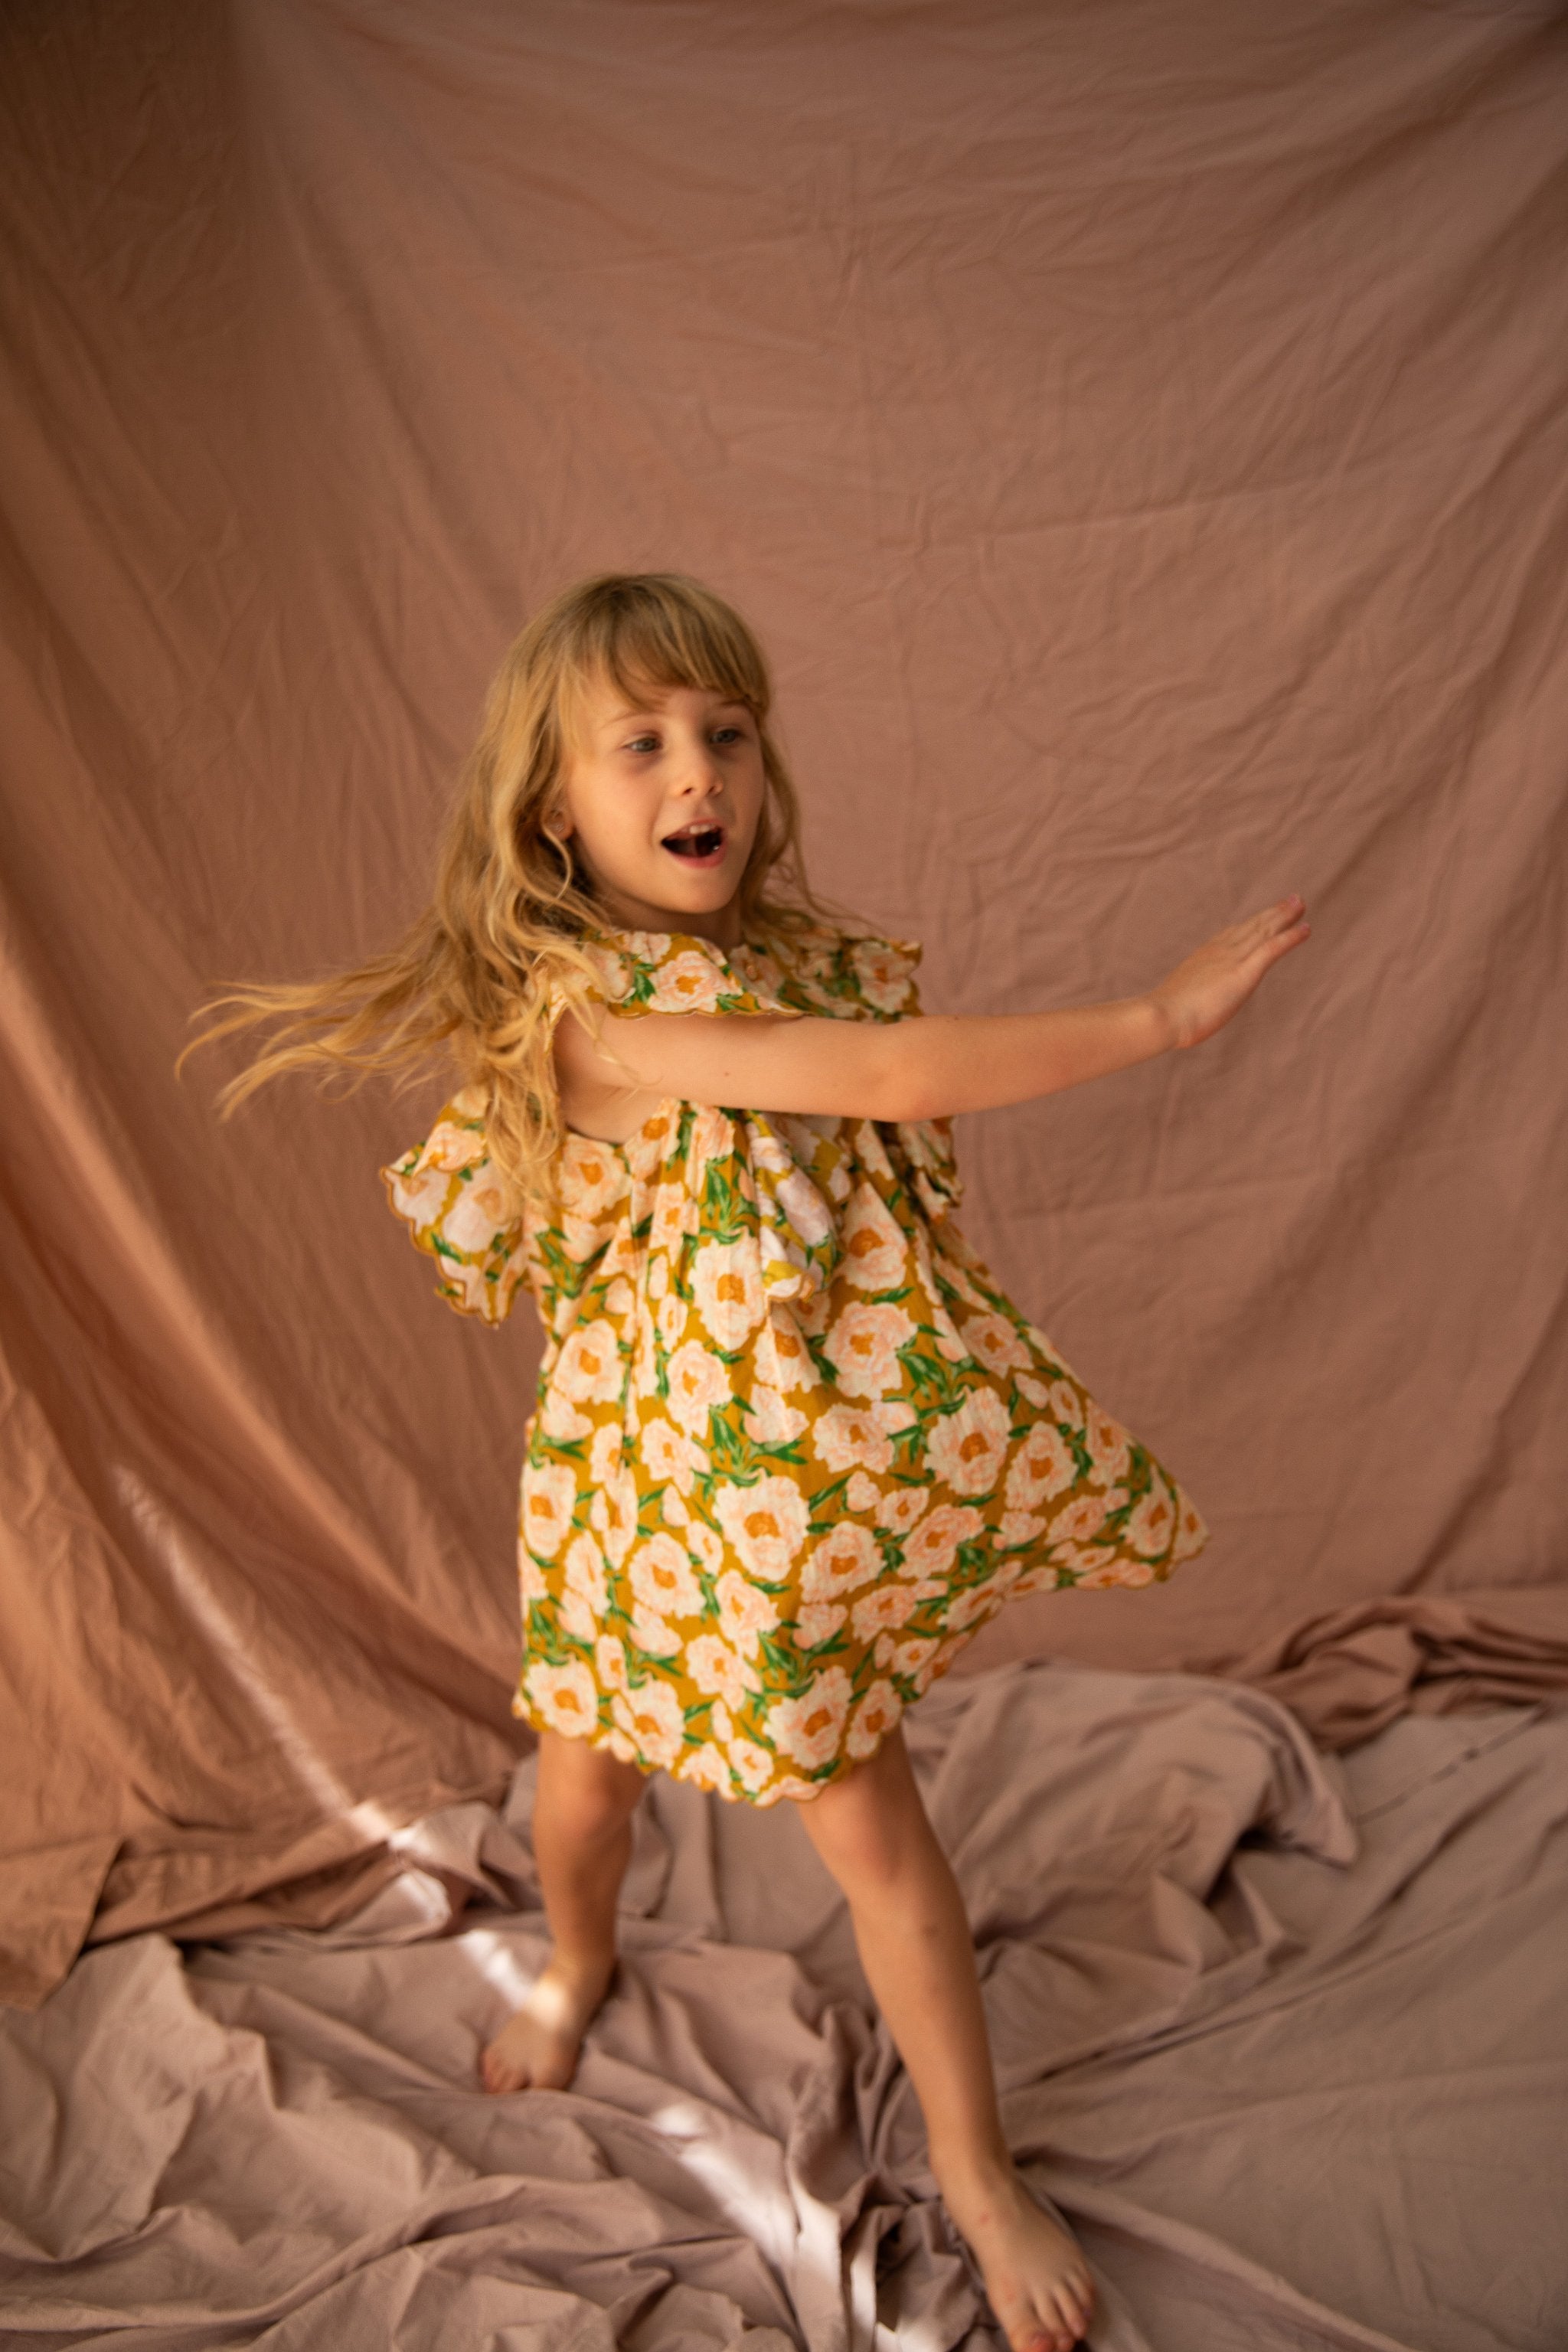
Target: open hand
[1212, 985]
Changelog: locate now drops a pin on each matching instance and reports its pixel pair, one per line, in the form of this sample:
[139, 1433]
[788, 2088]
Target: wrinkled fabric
[1282, 2039]
[1136, 433]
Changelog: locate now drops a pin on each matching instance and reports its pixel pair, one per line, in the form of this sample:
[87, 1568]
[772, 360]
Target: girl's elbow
[903, 1091]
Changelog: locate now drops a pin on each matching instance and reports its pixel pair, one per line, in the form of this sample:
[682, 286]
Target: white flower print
[611, 970]
[850, 1437]
[549, 1498]
[765, 1522]
[1109, 1446]
[580, 1238]
[720, 1671]
[807, 1728]
[995, 1342]
[587, 1590]
[727, 1283]
[810, 1219]
[560, 1419]
[817, 1621]
[420, 1195]
[674, 1216]
[881, 1611]
[667, 1453]
[875, 1249]
[884, 974]
[782, 1358]
[654, 1635]
[613, 1515]
[645, 1361]
[687, 983]
[590, 1368]
[450, 1147]
[904, 1658]
[605, 1453]
[705, 1767]
[1150, 1529]
[876, 1715]
[566, 1698]
[967, 1609]
[752, 1765]
[1042, 1467]
[1077, 1521]
[967, 1447]
[744, 1614]
[898, 1510]
[531, 1577]
[1113, 1569]
[870, 1152]
[1019, 1528]
[772, 1421]
[712, 1138]
[698, 1382]
[863, 1347]
[862, 1493]
[708, 1548]
[932, 1549]
[590, 1177]
[1191, 1532]
[651, 1717]
[663, 1580]
[671, 1320]
[846, 1558]
[610, 1663]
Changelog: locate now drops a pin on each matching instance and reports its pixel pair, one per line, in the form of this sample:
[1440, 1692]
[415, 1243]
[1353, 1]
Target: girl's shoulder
[817, 969]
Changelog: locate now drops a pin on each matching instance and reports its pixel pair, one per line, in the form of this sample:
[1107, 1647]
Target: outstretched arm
[920, 1069]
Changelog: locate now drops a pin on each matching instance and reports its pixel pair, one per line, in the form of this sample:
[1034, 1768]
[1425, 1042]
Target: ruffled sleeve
[675, 971]
[867, 978]
[455, 1207]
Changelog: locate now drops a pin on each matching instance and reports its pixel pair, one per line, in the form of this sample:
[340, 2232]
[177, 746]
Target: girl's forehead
[597, 698]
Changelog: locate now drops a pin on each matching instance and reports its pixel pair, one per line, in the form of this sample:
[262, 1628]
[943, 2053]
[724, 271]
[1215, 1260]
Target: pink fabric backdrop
[1139, 434]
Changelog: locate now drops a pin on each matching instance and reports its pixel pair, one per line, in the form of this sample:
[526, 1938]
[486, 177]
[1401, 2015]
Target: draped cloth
[1137, 434]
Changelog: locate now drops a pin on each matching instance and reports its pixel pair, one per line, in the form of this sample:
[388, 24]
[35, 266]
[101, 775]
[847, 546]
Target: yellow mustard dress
[793, 1446]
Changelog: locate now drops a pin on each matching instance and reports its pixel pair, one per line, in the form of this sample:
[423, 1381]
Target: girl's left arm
[926, 1068]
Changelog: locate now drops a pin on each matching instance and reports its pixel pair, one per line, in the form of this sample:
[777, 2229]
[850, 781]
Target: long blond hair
[482, 970]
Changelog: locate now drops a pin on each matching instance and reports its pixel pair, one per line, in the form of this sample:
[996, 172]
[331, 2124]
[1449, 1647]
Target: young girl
[793, 1446]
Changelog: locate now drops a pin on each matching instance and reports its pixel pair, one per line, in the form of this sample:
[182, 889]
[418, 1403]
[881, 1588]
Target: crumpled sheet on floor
[1282, 2034]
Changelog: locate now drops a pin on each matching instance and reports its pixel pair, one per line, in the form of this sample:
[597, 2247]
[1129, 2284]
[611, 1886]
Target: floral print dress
[793, 1446]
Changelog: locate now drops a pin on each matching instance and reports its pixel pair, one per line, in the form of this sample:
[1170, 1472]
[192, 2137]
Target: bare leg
[871, 1830]
[582, 1810]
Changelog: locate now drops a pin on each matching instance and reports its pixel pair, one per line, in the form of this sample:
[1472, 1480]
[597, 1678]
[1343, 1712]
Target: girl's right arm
[910, 1069]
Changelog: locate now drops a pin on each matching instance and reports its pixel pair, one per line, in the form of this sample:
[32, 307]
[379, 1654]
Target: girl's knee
[586, 1787]
[870, 1825]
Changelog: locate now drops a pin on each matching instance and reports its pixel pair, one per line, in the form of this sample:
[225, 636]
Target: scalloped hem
[801, 1792]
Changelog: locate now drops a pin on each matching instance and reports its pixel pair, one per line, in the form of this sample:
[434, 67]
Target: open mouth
[699, 844]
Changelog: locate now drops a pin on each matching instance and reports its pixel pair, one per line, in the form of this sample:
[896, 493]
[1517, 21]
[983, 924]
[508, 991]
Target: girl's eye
[726, 734]
[643, 743]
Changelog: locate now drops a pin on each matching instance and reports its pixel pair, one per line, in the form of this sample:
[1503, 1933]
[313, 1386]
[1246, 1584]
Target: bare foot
[537, 2047]
[1035, 2274]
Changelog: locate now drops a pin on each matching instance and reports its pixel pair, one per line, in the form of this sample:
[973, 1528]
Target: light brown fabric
[1284, 2038]
[1138, 433]
[1347, 1675]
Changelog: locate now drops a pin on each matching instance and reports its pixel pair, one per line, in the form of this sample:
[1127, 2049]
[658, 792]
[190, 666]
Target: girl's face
[660, 799]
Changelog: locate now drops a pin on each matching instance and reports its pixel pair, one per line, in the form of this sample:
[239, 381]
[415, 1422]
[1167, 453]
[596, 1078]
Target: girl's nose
[698, 769]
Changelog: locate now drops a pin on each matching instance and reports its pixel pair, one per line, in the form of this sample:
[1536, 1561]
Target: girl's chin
[704, 890]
